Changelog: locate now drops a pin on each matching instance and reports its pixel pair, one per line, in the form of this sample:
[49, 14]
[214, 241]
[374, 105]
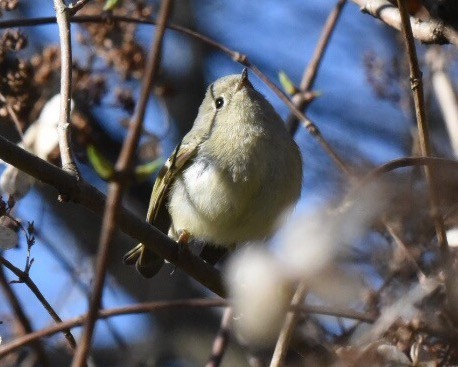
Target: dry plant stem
[130, 224]
[236, 56]
[63, 127]
[25, 278]
[289, 325]
[115, 190]
[430, 31]
[337, 312]
[222, 339]
[22, 318]
[425, 146]
[138, 308]
[403, 246]
[310, 73]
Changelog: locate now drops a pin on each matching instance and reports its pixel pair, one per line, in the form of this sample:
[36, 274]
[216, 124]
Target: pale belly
[208, 206]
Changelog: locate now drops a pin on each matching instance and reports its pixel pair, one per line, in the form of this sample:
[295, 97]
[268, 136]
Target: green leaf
[111, 4]
[102, 166]
[287, 83]
[144, 171]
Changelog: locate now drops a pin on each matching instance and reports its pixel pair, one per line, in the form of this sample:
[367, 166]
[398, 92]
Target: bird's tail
[146, 261]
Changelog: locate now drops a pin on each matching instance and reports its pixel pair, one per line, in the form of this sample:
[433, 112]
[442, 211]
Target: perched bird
[230, 179]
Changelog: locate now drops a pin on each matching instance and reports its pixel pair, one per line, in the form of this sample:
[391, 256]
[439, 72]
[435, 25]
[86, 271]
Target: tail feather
[146, 261]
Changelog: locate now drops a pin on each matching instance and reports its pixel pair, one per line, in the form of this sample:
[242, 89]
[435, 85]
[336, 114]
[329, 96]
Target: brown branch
[22, 318]
[23, 277]
[430, 31]
[104, 314]
[130, 224]
[289, 325]
[422, 125]
[221, 341]
[63, 127]
[337, 312]
[115, 191]
[236, 56]
[310, 73]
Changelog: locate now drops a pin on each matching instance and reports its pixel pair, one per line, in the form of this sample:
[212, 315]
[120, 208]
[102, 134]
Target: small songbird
[230, 179]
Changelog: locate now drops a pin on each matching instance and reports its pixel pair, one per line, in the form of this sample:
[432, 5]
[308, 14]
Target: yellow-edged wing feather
[146, 261]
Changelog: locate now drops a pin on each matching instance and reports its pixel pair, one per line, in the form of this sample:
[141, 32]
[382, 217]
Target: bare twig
[13, 116]
[430, 31]
[63, 127]
[25, 278]
[104, 314]
[310, 73]
[425, 146]
[336, 312]
[116, 189]
[22, 317]
[236, 56]
[78, 5]
[289, 325]
[221, 340]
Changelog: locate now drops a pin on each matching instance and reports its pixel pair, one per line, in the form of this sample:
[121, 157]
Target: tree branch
[63, 127]
[423, 134]
[431, 31]
[94, 200]
[115, 190]
[310, 73]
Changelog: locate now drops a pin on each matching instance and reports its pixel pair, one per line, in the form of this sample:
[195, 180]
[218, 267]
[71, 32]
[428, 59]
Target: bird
[231, 178]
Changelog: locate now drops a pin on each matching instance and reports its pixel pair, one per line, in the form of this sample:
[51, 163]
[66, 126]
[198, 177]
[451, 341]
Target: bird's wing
[182, 155]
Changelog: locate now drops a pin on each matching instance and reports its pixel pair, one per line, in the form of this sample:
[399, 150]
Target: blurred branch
[23, 277]
[13, 115]
[103, 314]
[422, 125]
[63, 127]
[310, 73]
[115, 189]
[430, 31]
[406, 162]
[236, 56]
[221, 340]
[289, 325]
[22, 318]
[445, 94]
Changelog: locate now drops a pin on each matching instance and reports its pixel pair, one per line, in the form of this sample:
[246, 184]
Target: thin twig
[289, 325]
[25, 278]
[137, 308]
[236, 56]
[310, 73]
[63, 127]
[429, 31]
[22, 318]
[115, 191]
[74, 8]
[221, 341]
[18, 124]
[423, 134]
[337, 312]
[397, 239]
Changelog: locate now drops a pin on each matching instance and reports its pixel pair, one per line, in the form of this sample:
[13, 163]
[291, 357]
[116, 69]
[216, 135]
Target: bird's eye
[219, 102]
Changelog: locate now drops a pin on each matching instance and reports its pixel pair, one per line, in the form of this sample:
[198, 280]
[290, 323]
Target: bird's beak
[244, 82]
